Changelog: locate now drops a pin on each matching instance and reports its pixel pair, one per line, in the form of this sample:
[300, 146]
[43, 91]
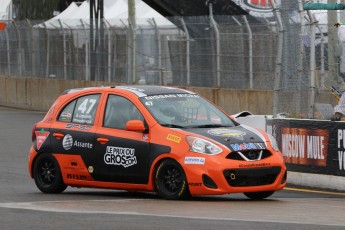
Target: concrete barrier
[40, 93]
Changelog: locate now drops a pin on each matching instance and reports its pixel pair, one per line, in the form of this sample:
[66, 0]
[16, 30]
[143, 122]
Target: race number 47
[87, 105]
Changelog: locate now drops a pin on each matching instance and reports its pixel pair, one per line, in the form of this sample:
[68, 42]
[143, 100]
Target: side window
[119, 111]
[66, 114]
[81, 110]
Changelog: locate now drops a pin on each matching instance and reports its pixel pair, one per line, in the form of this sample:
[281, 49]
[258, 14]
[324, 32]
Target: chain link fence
[239, 52]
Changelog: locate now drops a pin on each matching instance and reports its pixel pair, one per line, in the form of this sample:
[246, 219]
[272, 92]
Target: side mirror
[135, 126]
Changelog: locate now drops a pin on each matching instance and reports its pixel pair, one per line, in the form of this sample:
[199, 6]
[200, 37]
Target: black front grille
[251, 176]
[251, 155]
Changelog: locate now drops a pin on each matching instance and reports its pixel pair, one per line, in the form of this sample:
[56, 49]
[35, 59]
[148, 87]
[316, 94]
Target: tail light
[33, 133]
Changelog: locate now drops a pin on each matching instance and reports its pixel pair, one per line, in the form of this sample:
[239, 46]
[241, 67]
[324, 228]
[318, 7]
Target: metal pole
[215, 26]
[311, 106]
[19, 50]
[109, 50]
[32, 45]
[332, 40]
[48, 50]
[312, 72]
[278, 68]
[8, 52]
[64, 51]
[300, 60]
[187, 50]
[87, 46]
[92, 41]
[250, 34]
[159, 51]
[132, 41]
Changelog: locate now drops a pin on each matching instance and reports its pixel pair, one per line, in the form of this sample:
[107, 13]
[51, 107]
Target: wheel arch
[155, 165]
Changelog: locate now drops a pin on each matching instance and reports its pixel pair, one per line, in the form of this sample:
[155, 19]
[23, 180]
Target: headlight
[200, 145]
[273, 141]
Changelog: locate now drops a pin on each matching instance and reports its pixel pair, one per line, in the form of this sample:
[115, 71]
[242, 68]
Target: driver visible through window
[119, 111]
[185, 111]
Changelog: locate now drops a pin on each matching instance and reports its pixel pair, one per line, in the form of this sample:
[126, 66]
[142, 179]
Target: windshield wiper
[172, 126]
[210, 126]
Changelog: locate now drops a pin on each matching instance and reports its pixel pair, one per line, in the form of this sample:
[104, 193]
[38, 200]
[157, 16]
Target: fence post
[33, 53]
[215, 26]
[311, 104]
[312, 71]
[250, 34]
[161, 81]
[48, 50]
[87, 46]
[132, 41]
[277, 74]
[107, 25]
[64, 50]
[187, 50]
[19, 49]
[8, 52]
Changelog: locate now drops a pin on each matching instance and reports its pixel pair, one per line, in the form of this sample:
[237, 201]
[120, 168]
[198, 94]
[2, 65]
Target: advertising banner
[311, 146]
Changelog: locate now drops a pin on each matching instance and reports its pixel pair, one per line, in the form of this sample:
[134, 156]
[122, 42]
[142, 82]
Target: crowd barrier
[314, 150]
[40, 93]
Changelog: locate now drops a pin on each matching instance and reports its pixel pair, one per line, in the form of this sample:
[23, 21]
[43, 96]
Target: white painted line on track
[283, 210]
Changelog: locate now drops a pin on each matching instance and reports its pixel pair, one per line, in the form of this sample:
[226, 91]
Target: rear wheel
[258, 195]
[170, 180]
[47, 174]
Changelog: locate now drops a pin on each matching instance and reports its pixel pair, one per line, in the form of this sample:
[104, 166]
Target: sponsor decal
[78, 126]
[194, 160]
[254, 165]
[305, 146]
[224, 132]
[163, 96]
[247, 146]
[341, 148]
[67, 115]
[41, 137]
[68, 143]
[258, 8]
[76, 177]
[83, 118]
[73, 165]
[174, 138]
[120, 156]
[195, 184]
[90, 169]
[145, 137]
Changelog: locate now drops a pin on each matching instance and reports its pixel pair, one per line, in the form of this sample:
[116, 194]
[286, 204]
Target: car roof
[139, 90]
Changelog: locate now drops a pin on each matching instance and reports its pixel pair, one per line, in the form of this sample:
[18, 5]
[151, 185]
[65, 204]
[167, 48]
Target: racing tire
[170, 180]
[47, 174]
[258, 195]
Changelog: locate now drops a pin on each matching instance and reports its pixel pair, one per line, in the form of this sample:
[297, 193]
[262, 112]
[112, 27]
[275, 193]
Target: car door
[73, 133]
[122, 156]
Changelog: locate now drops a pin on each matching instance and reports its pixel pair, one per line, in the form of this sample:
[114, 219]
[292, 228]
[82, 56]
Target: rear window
[81, 110]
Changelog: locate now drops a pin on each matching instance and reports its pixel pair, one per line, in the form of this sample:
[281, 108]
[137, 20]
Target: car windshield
[185, 111]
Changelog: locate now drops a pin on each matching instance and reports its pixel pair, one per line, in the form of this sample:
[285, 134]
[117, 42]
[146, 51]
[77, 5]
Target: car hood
[235, 138]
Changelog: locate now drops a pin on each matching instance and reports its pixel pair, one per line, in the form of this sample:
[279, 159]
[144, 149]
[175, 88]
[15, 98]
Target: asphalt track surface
[22, 206]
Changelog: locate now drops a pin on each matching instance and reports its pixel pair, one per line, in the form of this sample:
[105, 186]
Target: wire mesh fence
[240, 52]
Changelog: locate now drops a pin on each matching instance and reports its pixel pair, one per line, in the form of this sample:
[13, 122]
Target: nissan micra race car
[151, 138]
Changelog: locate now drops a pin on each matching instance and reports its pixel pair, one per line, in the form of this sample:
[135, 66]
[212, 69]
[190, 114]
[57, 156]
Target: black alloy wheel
[170, 180]
[47, 174]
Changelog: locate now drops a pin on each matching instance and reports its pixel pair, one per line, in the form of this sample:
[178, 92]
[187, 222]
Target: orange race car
[151, 138]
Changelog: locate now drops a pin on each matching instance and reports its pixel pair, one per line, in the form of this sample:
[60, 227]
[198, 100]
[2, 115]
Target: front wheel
[258, 195]
[47, 174]
[170, 180]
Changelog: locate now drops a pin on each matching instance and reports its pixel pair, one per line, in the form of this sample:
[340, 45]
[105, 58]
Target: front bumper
[222, 176]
